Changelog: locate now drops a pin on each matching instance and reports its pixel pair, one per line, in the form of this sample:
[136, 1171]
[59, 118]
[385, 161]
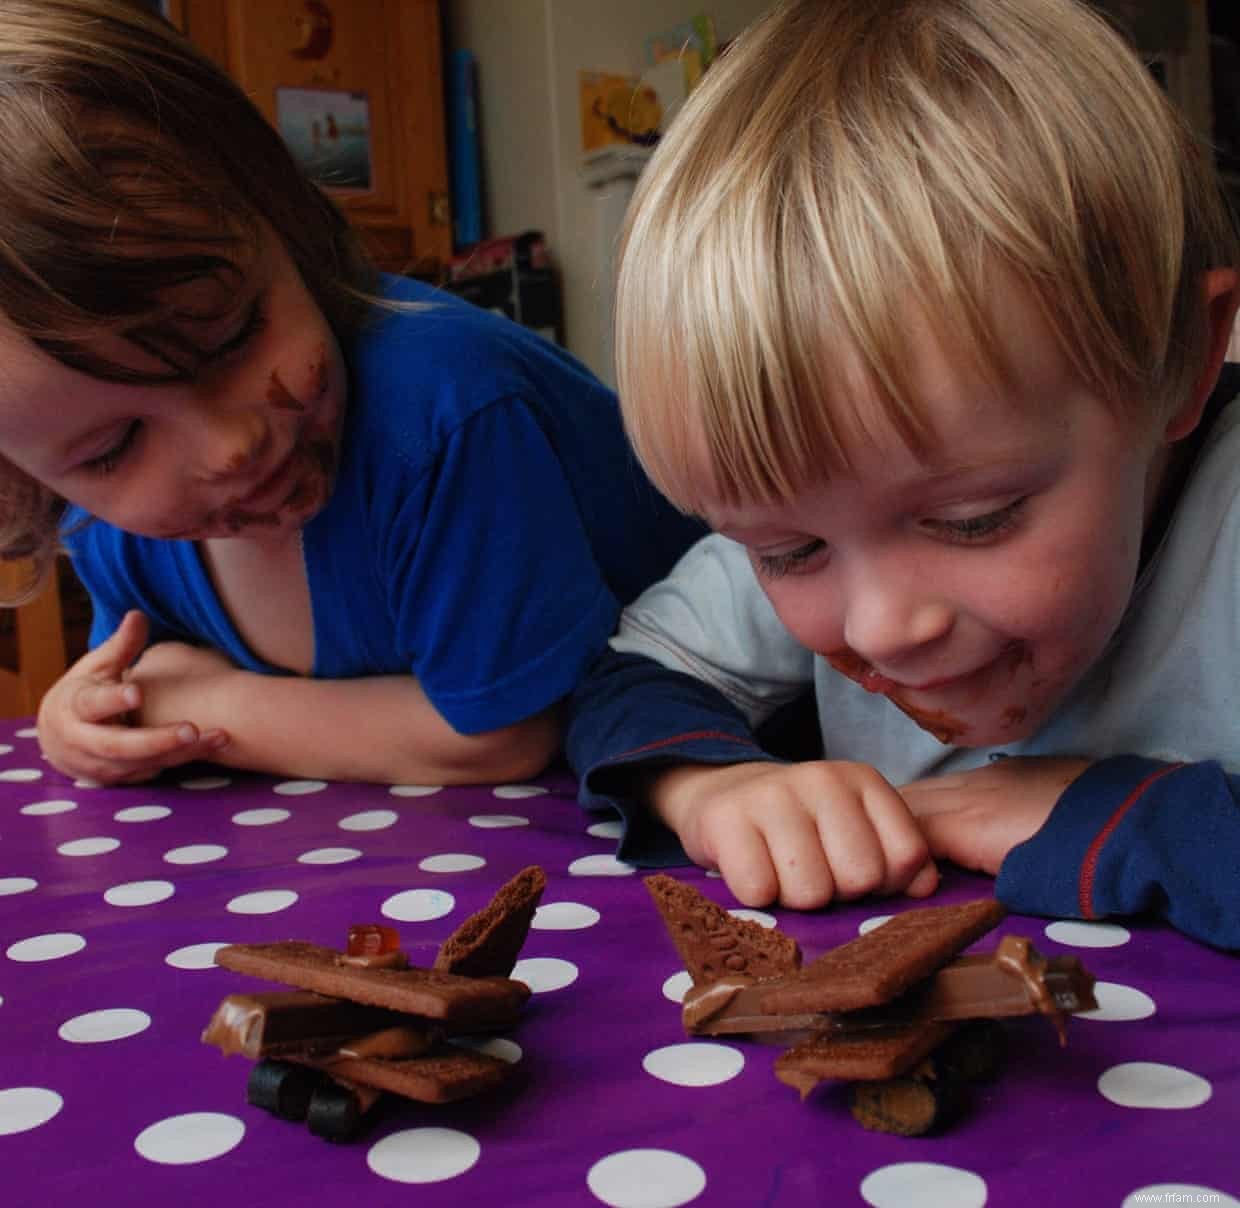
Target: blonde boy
[923, 307]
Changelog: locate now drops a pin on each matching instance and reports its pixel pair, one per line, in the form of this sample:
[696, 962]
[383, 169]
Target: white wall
[529, 53]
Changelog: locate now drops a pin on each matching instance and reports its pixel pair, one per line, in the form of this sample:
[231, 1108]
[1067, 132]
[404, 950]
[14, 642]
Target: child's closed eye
[978, 529]
[795, 561]
[107, 461]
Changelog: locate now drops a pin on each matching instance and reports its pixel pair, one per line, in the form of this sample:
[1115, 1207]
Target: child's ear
[1222, 298]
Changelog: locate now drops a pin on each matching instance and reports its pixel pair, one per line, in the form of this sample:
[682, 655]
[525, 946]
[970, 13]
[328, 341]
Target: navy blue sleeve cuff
[1133, 836]
[631, 716]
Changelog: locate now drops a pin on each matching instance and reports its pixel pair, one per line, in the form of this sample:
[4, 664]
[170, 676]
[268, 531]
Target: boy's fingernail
[129, 694]
[217, 740]
[187, 734]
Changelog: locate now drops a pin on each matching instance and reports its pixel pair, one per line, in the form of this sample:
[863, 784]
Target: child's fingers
[800, 860]
[745, 864]
[113, 655]
[95, 702]
[120, 755]
[905, 852]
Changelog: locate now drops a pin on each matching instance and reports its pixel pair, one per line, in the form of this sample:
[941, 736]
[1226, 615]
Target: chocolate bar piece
[266, 1025]
[872, 1054]
[713, 943]
[443, 997]
[882, 964]
[487, 943]
[444, 1074]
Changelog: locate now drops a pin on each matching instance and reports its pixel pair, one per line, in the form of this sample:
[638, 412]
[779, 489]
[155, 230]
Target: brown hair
[850, 164]
[130, 164]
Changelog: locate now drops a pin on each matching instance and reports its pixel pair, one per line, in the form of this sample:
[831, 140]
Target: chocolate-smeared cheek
[279, 395]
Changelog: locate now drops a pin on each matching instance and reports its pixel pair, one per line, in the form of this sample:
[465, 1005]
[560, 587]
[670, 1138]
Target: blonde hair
[129, 164]
[850, 163]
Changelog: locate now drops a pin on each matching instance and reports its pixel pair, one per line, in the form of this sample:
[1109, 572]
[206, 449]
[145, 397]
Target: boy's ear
[1222, 298]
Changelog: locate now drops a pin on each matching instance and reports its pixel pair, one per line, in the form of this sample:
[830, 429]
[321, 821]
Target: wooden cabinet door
[356, 88]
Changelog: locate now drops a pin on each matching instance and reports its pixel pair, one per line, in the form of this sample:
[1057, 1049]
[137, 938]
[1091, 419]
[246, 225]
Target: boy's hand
[799, 833]
[84, 718]
[975, 818]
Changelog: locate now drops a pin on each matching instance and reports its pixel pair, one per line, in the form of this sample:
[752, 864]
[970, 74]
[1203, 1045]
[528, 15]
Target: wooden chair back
[39, 644]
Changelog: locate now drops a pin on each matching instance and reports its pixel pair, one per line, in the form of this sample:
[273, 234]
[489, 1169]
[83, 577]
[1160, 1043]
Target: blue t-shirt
[487, 523]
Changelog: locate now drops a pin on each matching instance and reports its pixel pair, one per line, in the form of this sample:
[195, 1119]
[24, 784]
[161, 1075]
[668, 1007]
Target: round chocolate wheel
[909, 1106]
[281, 1088]
[334, 1113]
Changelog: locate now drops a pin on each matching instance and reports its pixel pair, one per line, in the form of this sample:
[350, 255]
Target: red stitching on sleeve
[1090, 865]
[692, 736]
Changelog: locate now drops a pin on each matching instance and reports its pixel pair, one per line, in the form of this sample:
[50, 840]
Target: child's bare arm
[380, 729]
[85, 718]
[801, 834]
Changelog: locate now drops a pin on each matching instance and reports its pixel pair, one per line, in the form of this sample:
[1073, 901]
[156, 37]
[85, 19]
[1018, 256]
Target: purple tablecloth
[113, 901]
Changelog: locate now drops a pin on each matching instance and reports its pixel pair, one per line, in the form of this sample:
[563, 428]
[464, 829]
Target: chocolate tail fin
[712, 943]
[488, 943]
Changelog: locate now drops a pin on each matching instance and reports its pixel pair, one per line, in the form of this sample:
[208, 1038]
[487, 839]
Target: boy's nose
[887, 621]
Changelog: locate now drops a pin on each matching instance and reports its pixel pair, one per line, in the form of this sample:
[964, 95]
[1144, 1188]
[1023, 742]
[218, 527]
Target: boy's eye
[110, 458]
[795, 561]
[979, 528]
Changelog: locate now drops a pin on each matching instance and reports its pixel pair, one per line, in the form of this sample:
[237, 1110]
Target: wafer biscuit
[713, 943]
[488, 943]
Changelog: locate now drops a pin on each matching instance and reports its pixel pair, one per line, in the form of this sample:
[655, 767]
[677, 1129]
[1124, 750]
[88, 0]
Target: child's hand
[84, 718]
[975, 818]
[800, 833]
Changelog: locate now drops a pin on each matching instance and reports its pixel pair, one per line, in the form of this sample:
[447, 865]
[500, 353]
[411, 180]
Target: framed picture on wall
[328, 131]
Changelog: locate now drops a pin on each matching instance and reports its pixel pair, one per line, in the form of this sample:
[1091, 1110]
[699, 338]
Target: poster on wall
[328, 132]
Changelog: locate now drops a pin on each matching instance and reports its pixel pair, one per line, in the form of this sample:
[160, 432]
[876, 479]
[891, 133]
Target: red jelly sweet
[372, 939]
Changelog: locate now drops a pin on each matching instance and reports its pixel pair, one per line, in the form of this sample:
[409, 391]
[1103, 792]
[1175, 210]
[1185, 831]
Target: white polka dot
[451, 862]
[415, 790]
[194, 1137]
[423, 1155]
[714, 873]
[40, 808]
[1179, 1193]
[202, 784]
[25, 1107]
[499, 1047]
[497, 821]
[193, 956]
[418, 905]
[299, 788]
[1150, 1084]
[28, 732]
[369, 820]
[329, 855]
[21, 774]
[262, 817]
[606, 830]
[600, 866]
[12, 885]
[139, 893]
[142, 813]
[96, 846]
[564, 916]
[926, 1184]
[869, 924]
[753, 916]
[265, 901]
[677, 986]
[50, 947]
[544, 973]
[646, 1178]
[513, 792]
[96, 1027]
[1116, 1003]
[6, 748]
[196, 853]
[1088, 935]
[697, 1064]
